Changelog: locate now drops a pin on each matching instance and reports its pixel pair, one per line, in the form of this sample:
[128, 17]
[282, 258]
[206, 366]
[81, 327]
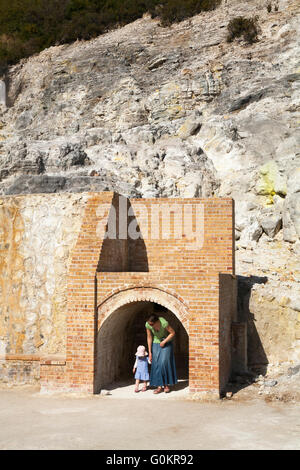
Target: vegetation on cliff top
[247, 28]
[29, 26]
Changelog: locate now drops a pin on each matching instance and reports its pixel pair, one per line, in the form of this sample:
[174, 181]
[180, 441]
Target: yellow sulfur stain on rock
[270, 181]
[269, 201]
[119, 158]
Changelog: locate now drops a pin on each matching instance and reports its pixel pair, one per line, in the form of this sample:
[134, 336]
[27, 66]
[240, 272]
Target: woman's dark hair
[153, 318]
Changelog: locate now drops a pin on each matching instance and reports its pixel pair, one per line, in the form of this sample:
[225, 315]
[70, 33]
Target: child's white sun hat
[141, 351]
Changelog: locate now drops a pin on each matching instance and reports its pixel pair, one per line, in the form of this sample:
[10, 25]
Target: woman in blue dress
[161, 353]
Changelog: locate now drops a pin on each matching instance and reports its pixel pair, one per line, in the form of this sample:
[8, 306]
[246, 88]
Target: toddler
[140, 368]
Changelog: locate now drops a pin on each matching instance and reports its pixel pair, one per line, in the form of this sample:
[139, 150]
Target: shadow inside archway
[120, 335]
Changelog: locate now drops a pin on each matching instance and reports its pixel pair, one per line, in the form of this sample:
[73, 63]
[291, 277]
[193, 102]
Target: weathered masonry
[80, 274]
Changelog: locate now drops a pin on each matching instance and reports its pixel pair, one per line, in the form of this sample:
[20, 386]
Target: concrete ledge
[20, 357]
[44, 360]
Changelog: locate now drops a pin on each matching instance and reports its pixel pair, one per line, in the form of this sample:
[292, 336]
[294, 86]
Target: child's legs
[144, 385]
[137, 382]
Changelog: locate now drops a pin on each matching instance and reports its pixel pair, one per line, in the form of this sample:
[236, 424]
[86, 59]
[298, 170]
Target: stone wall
[273, 321]
[37, 233]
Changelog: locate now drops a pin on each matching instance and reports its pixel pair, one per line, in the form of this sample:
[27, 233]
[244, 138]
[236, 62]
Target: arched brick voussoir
[142, 294]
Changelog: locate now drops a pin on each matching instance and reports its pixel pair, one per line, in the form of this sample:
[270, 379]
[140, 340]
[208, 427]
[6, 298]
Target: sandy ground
[125, 420]
[126, 390]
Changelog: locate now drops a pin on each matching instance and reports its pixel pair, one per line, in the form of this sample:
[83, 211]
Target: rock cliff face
[150, 111]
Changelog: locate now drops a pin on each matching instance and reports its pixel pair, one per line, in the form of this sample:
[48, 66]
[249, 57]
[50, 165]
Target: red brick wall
[167, 269]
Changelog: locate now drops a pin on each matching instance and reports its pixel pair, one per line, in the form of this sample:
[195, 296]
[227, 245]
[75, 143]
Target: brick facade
[193, 280]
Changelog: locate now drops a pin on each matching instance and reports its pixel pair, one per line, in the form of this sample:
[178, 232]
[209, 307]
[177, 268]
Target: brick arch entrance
[173, 252]
[121, 328]
[140, 294]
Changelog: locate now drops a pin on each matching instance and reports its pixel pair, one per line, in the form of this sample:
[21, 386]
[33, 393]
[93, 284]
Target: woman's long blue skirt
[163, 369]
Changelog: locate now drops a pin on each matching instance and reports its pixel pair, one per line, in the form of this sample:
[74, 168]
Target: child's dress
[141, 365]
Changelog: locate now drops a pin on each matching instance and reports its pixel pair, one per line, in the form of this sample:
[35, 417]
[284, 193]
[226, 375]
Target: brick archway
[121, 328]
[141, 294]
[194, 282]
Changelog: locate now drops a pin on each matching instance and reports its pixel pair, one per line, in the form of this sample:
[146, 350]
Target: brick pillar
[81, 295]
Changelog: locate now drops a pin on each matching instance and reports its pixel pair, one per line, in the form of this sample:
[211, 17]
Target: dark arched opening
[120, 335]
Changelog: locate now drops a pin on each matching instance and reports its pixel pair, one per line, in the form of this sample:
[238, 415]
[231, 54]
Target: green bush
[243, 27]
[172, 11]
[29, 26]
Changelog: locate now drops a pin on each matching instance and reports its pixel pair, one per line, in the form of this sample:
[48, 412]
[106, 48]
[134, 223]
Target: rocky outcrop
[151, 111]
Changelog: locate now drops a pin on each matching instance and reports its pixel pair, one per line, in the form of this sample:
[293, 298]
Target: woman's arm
[169, 337]
[149, 341]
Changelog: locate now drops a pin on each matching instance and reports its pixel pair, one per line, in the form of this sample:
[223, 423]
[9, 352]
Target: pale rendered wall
[37, 233]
